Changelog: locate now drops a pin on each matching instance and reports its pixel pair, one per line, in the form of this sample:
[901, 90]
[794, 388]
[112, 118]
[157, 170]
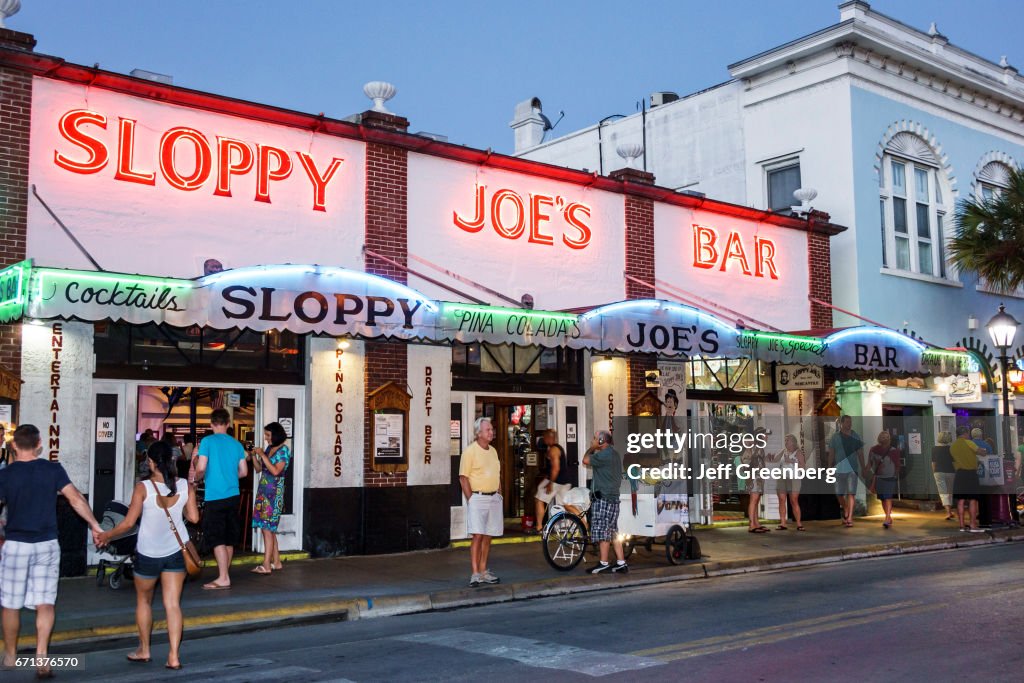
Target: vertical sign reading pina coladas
[13, 290]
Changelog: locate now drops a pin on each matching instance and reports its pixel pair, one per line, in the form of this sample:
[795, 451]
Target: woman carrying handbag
[162, 504]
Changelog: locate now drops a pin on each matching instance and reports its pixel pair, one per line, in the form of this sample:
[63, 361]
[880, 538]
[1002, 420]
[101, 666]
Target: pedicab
[653, 514]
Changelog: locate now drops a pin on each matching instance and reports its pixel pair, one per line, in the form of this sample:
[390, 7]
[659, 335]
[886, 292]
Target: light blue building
[892, 125]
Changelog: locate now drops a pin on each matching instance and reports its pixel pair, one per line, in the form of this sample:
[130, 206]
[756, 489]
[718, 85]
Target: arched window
[992, 180]
[912, 200]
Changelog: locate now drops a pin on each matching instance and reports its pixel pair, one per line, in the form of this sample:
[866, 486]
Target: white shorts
[29, 574]
[485, 515]
[557, 491]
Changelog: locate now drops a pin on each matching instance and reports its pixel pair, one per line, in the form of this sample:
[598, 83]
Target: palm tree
[989, 237]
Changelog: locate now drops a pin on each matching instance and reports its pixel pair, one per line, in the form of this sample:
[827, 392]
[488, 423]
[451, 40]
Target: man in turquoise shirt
[221, 464]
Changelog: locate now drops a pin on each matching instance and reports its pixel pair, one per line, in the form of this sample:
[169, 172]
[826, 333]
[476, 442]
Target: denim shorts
[151, 567]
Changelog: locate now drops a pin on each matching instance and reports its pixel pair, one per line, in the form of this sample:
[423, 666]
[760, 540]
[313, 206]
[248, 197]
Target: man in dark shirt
[30, 558]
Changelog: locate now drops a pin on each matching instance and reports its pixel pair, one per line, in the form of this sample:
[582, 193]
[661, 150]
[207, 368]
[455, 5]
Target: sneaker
[601, 567]
[474, 580]
[488, 577]
[976, 531]
[620, 568]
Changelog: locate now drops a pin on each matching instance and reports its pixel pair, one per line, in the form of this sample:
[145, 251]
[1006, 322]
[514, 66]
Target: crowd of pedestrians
[166, 497]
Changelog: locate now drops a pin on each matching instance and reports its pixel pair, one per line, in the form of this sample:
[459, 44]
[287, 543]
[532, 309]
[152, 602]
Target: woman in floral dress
[272, 464]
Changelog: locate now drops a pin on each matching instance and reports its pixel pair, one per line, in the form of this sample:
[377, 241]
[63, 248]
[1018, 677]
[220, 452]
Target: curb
[387, 606]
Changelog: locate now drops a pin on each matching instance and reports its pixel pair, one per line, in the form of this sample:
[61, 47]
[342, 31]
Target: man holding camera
[604, 521]
[221, 463]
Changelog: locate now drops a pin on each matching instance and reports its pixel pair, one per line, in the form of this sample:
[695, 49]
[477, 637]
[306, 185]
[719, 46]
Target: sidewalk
[361, 587]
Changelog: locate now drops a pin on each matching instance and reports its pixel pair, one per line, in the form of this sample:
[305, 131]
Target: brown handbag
[193, 566]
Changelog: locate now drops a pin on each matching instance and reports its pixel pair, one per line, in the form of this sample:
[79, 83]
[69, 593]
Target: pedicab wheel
[101, 575]
[564, 541]
[115, 579]
[675, 544]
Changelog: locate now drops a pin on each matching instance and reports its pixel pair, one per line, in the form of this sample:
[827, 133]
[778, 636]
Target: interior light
[344, 344]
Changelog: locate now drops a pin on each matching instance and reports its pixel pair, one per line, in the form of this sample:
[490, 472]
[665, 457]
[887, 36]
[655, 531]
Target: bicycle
[565, 539]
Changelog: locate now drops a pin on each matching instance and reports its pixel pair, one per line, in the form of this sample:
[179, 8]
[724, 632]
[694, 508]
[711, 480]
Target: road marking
[283, 673]
[768, 630]
[789, 634]
[795, 629]
[532, 652]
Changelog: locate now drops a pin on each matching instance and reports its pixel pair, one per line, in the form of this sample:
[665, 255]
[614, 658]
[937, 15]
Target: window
[783, 181]
[911, 207]
[992, 180]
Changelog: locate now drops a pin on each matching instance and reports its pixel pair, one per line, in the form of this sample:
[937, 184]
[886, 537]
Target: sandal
[759, 530]
[800, 528]
[781, 528]
[260, 569]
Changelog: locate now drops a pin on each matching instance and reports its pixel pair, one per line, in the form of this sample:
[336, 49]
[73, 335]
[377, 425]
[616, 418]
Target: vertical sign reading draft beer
[428, 397]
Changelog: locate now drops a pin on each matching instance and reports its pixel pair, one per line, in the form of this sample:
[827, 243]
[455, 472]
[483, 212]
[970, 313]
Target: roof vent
[663, 97]
[152, 76]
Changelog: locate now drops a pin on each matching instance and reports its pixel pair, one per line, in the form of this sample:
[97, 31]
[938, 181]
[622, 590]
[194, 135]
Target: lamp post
[1002, 328]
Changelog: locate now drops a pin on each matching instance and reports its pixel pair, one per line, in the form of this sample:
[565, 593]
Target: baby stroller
[117, 556]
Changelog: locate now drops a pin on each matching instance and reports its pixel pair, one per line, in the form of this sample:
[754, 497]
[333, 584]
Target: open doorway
[182, 413]
[518, 425]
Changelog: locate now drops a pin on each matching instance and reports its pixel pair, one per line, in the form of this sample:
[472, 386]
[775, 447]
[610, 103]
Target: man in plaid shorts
[604, 518]
[30, 558]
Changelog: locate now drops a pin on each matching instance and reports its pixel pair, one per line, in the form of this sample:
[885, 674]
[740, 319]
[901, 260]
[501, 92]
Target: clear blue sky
[460, 66]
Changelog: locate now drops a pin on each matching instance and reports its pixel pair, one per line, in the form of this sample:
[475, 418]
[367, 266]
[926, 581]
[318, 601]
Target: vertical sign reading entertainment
[57, 347]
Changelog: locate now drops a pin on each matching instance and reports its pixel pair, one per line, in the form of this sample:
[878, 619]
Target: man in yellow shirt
[966, 486]
[480, 477]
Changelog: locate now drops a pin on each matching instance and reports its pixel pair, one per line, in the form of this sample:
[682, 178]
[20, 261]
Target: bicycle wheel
[565, 539]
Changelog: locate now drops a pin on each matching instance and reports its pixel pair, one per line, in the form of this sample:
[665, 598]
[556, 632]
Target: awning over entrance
[340, 302]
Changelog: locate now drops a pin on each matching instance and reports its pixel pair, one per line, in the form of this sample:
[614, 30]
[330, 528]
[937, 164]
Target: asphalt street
[935, 616]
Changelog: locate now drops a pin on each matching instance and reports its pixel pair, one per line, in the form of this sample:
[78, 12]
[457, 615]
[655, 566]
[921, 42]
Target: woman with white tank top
[158, 553]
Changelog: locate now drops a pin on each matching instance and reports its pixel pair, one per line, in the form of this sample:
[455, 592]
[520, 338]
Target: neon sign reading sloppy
[511, 216]
[222, 159]
[706, 253]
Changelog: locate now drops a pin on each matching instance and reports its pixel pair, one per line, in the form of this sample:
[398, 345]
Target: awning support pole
[432, 281]
[65, 229]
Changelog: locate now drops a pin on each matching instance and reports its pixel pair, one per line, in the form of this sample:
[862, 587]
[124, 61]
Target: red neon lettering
[477, 224]
[204, 158]
[704, 252]
[764, 250]
[69, 129]
[319, 181]
[734, 250]
[228, 165]
[499, 225]
[575, 221]
[537, 216]
[126, 156]
[264, 173]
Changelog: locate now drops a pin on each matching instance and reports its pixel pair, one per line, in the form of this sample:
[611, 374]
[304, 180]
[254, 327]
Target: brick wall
[387, 171]
[639, 264]
[15, 117]
[819, 271]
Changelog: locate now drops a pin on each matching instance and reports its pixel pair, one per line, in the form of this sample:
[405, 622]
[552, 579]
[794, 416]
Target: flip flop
[800, 528]
[260, 569]
[215, 587]
[781, 528]
[759, 530]
[137, 660]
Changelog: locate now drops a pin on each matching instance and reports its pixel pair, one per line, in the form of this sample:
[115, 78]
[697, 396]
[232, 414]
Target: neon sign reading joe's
[512, 216]
[219, 160]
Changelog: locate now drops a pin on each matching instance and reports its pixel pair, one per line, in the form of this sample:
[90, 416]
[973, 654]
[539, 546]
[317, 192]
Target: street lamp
[1002, 328]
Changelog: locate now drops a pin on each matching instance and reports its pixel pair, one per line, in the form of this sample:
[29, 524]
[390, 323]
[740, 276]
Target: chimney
[529, 124]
